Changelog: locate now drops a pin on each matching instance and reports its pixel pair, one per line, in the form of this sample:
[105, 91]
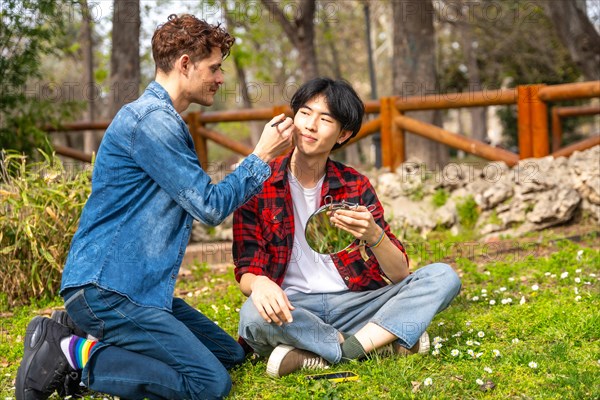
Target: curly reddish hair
[186, 34]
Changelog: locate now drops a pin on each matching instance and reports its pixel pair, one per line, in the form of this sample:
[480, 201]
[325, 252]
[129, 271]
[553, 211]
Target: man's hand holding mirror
[336, 226]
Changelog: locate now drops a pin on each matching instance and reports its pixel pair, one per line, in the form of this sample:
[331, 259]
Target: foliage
[516, 44]
[544, 346]
[468, 212]
[29, 31]
[440, 197]
[39, 213]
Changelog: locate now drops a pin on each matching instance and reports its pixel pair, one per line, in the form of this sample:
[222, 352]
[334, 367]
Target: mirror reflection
[322, 236]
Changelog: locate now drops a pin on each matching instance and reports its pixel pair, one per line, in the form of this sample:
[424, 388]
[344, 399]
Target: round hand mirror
[323, 237]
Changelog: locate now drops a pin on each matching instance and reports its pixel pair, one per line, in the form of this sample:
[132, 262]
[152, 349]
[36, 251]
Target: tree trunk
[91, 139]
[255, 126]
[478, 114]
[577, 33]
[414, 73]
[125, 54]
[301, 31]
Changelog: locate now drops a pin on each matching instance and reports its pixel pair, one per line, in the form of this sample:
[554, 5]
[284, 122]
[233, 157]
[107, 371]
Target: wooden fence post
[200, 142]
[539, 123]
[392, 136]
[524, 122]
[556, 130]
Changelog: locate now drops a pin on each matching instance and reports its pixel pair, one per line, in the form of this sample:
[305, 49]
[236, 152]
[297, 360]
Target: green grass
[557, 327]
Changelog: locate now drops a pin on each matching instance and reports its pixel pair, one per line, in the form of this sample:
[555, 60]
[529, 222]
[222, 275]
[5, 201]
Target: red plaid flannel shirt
[263, 228]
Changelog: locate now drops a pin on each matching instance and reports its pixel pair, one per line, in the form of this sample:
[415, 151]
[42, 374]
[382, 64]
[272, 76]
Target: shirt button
[346, 278]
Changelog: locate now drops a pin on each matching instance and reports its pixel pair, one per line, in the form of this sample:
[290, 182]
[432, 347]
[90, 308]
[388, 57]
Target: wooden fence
[532, 103]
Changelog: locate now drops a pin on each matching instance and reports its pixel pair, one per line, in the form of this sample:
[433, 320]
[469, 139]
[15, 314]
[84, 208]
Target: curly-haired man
[120, 274]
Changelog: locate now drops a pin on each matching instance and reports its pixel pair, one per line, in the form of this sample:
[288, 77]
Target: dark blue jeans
[146, 352]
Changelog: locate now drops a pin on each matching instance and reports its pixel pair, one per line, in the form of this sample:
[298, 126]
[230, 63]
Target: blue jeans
[405, 309]
[146, 352]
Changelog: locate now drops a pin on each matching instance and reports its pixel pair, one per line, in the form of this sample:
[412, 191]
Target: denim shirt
[147, 187]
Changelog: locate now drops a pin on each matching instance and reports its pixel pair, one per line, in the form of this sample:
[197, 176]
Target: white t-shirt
[308, 271]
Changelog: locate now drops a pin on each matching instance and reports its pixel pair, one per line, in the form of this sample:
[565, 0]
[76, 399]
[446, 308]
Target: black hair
[342, 100]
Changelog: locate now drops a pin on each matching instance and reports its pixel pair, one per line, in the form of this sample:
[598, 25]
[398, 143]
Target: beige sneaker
[287, 359]
[421, 347]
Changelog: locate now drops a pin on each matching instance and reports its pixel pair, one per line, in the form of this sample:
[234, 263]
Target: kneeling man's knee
[219, 388]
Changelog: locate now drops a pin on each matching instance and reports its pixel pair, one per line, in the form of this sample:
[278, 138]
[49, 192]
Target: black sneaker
[63, 318]
[72, 382]
[44, 366]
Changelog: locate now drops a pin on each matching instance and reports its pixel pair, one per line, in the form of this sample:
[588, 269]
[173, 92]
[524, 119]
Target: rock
[494, 195]
[554, 206]
[412, 214]
[592, 209]
[389, 185]
[446, 215]
[533, 195]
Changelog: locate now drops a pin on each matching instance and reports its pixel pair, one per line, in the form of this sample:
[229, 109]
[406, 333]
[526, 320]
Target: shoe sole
[275, 359]
[32, 328]
[424, 343]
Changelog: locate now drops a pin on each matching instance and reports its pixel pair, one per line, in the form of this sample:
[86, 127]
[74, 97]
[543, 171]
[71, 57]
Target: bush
[440, 197]
[30, 31]
[39, 213]
[468, 212]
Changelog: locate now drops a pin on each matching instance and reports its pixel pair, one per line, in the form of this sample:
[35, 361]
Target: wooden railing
[532, 113]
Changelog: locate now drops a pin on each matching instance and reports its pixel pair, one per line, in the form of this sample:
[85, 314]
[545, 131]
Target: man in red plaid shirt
[309, 310]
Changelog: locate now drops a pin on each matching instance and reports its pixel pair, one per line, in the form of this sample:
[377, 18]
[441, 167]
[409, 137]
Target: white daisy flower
[480, 334]
[479, 382]
[428, 382]
[496, 353]
[564, 275]
[533, 364]
[455, 353]
[487, 369]
[535, 287]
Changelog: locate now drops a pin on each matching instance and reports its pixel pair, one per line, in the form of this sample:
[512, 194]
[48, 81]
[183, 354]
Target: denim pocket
[81, 313]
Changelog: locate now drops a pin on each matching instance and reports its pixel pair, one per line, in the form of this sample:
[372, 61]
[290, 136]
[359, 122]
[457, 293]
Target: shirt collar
[159, 91]
[334, 173]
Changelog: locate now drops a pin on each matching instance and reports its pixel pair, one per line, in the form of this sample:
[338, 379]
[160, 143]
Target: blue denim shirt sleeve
[147, 186]
[165, 152]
